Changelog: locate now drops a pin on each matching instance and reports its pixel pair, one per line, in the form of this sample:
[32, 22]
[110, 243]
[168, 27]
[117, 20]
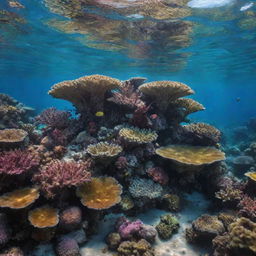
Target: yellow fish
[99, 113]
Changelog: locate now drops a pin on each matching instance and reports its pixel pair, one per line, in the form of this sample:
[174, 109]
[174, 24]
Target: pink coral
[129, 228]
[16, 162]
[127, 96]
[247, 208]
[54, 118]
[58, 175]
[59, 137]
[158, 175]
[140, 118]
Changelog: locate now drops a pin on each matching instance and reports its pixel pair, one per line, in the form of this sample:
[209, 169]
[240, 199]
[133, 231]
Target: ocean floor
[195, 206]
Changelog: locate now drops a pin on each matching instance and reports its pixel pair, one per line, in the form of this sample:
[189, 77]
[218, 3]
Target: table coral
[19, 198]
[11, 138]
[100, 193]
[43, 217]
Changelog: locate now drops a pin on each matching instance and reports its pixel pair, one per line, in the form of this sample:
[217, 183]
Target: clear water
[216, 58]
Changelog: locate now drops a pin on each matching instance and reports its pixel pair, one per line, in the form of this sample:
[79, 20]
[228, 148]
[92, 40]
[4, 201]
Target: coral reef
[12, 138]
[67, 247]
[71, 218]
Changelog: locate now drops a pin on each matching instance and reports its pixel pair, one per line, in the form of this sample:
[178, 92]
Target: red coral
[16, 162]
[248, 208]
[58, 175]
[158, 175]
[54, 118]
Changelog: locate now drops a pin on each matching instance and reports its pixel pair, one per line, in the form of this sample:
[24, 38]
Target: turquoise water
[216, 58]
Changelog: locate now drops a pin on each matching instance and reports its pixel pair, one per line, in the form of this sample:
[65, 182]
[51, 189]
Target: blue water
[217, 58]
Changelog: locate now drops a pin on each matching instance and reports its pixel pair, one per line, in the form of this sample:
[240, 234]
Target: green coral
[171, 202]
[167, 226]
[132, 248]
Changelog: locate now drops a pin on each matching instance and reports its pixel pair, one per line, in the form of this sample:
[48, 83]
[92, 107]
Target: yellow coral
[189, 105]
[86, 93]
[44, 217]
[191, 155]
[165, 92]
[104, 150]
[19, 198]
[100, 193]
[137, 135]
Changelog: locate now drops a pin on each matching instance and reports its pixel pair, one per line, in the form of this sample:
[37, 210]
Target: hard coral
[158, 175]
[11, 138]
[58, 175]
[247, 208]
[54, 118]
[129, 228]
[19, 198]
[86, 93]
[71, 218]
[100, 193]
[137, 136]
[167, 226]
[67, 247]
[17, 162]
[44, 217]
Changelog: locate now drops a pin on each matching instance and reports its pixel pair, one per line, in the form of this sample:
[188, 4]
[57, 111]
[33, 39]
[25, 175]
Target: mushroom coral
[138, 136]
[164, 92]
[19, 198]
[87, 93]
[100, 193]
[44, 217]
[191, 155]
[12, 137]
[104, 150]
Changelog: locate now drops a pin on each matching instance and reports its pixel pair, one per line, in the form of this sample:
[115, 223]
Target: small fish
[99, 114]
[238, 99]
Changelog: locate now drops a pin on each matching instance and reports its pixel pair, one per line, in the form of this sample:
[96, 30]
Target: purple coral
[129, 228]
[247, 208]
[54, 118]
[127, 96]
[67, 247]
[58, 175]
[71, 218]
[4, 230]
[16, 162]
[158, 175]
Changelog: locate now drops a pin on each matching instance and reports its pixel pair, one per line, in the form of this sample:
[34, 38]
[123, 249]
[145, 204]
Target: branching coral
[19, 198]
[145, 188]
[17, 162]
[86, 93]
[202, 133]
[165, 92]
[44, 217]
[11, 138]
[247, 208]
[58, 175]
[54, 118]
[229, 194]
[127, 96]
[103, 150]
[191, 155]
[138, 136]
[100, 193]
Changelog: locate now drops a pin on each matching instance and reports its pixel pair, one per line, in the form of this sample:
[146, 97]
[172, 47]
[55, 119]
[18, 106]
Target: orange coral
[44, 217]
[191, 155]
[100, 193]
[19, 198]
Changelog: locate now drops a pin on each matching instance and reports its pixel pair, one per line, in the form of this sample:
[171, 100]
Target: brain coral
[100, 193]
[145, 188]
[136, 135]
[86, 93]
[191, 155]
[165, 92]
[19, 198]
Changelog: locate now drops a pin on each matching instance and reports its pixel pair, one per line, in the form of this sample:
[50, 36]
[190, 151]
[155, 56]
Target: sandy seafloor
[195, 206]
